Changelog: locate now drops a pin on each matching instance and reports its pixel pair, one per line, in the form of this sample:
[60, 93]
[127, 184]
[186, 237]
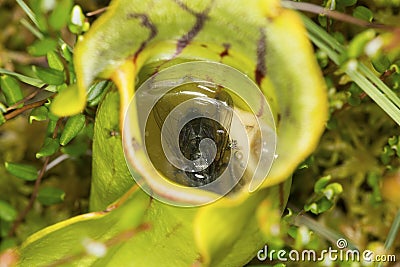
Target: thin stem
[96, 12]
[308, 7]
[24, 108]
[35, 191]
[28, 97]
[32, 199]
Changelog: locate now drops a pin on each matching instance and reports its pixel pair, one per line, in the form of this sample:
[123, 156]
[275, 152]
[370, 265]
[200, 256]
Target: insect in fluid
[194, 120]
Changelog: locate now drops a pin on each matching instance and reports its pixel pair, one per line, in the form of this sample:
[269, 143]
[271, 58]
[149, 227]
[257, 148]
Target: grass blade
[383, 96]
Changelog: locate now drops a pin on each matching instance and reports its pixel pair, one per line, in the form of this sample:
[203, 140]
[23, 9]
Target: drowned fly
[209, 101]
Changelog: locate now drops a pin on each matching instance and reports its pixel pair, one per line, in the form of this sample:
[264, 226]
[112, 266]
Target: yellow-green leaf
[7, 212]
[60, 15]
[49, 147]
[11, 89]
[42, 47]
[23, 171]
[38, 114]
[50, 195]
[49, 76]
[112, 228]
[54, 61]
[73, 126]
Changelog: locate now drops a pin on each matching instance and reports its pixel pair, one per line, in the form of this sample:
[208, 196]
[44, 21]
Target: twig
[24, 108]
[23, 214]
[308, 7]
[28, 97]
[35, 191]
[96, 12]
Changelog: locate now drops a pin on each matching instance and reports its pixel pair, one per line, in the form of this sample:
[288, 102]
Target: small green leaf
[73, 126]
[311, 207]
[42, 47]
[307, 163]
[23, 171]
[332, 190]
[96, 92]
[355, 89]
[50, 195]
[60, 15]
[361, 12]
[50, 147]
[7, 212]
[392, 141]
[322, 58]
[66, 52]
[69, 101]
[354, 101]
[355, 92]
[49, 76]
[77, 20]
[321, 183]
[323, 20]
[347, 2]
[38, 114]
[386, 155]
[54, 61]
[11, 89]
[51, 126]
[324, 204]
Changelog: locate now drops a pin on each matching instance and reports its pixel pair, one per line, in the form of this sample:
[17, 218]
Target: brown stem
[28, 97]
[35, 191]
[23, 214]
[308, 7]
[24, 108]
[96, 12]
